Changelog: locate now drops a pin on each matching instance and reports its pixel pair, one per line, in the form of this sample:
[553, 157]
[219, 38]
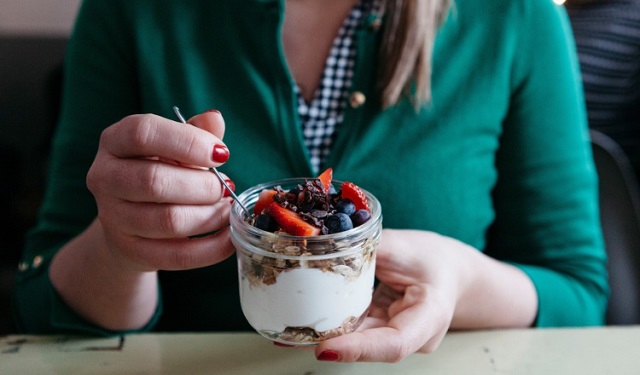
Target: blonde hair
[407, 47]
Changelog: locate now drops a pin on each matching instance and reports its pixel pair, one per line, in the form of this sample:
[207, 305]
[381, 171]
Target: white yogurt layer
[307, 297]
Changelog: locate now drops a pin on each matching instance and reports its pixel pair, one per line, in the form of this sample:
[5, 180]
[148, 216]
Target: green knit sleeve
[98, 91]
[546, 196]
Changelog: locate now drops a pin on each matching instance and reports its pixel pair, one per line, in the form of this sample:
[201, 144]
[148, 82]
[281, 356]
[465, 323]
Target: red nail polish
[220, 154]
[329, 356]
[215, 111]
[232, 185]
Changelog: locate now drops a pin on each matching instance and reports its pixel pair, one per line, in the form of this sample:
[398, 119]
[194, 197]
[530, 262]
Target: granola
[261, 269]
[309, 336]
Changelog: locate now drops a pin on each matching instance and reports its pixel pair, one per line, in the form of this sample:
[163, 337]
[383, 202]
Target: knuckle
[95, 180]
[141, 130]
[213, 186]
[92, 181]
[153, 183]
[137, 129]
[170, 220]
[108, 133]
[222, 214]
[192, 144]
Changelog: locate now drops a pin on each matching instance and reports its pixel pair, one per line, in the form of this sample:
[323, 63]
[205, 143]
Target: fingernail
[215, 111]
[220, 154]
[329, 356]
[232, 185]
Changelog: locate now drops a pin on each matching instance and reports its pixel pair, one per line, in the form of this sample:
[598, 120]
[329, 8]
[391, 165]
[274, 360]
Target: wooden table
[611, 350]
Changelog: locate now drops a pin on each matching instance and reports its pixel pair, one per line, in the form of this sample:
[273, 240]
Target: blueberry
[338, 223]
[332, 190]
[266, 222]
[360, 217]
[346, 207]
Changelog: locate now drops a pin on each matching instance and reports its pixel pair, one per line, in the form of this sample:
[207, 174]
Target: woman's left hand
[427, 283]
[412, 306]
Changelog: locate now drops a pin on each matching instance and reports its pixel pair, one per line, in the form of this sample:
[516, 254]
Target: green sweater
[499, 159]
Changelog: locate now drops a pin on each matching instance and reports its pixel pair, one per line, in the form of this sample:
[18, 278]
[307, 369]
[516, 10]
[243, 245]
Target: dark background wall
[30, 70]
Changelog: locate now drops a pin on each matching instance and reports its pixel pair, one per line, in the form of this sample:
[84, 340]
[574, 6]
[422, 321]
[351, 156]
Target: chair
[620, 218]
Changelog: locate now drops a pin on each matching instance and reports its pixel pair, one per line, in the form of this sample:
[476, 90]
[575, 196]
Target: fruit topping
[360, 217]
[266, 222]
[265, 197]
[338, 223]
[352, 192]
[291, 222]
[325, 178]
[312, 208]
[346, 206]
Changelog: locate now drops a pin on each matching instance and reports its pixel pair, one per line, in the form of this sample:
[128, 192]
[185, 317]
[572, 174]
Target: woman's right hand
[151, 198]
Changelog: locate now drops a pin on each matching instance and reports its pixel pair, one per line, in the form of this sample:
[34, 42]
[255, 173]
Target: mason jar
[302, 290]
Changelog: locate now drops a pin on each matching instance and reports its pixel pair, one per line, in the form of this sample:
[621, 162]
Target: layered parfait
[306, 257]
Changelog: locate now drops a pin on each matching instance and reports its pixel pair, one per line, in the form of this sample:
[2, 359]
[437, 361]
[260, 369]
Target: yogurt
[310, 298]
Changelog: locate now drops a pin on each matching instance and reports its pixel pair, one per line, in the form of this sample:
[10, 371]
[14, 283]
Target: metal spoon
[215, 171]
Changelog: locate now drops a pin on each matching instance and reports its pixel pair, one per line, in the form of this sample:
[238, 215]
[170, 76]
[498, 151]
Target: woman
[473, 139]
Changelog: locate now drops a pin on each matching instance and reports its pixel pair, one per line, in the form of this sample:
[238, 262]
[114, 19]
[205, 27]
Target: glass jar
[302, 290]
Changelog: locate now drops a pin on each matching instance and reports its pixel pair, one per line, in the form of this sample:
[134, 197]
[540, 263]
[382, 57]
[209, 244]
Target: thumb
[211, 121]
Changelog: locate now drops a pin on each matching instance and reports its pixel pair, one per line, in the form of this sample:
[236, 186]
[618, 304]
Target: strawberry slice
[325, 178]
[290, 222]
[352, 192]
[265, 197]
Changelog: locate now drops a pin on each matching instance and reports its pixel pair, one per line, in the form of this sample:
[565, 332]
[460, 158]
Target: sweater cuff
[557, 291]
[39, 309]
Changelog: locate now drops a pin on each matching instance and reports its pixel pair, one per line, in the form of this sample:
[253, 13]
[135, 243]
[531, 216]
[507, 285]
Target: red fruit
[290, 222]
[265, 197]
[352, 192]
[325, 178]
